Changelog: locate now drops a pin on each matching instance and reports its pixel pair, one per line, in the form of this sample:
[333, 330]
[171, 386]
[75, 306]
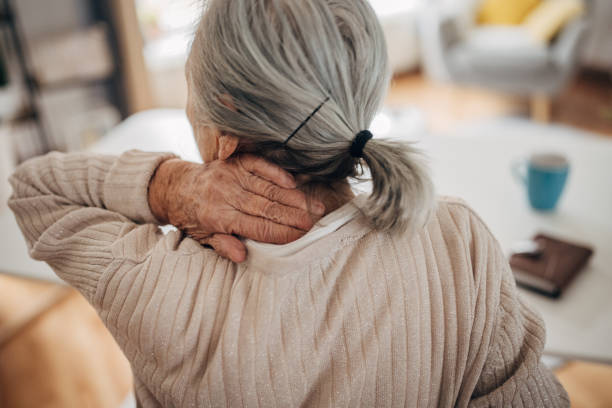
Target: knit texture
[359, 318]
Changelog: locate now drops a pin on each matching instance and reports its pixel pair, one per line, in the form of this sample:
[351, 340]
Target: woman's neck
[333, 195]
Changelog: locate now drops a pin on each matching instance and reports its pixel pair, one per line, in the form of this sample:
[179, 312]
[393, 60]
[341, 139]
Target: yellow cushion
[546, 20]
[505, 12]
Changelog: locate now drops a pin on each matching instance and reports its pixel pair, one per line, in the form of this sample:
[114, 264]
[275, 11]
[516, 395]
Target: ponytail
[402, 196]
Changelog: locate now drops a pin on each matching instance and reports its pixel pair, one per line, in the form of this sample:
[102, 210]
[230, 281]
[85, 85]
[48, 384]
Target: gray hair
[258, 69]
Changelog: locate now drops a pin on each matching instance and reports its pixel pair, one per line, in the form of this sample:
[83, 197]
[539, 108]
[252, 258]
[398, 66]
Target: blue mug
[544, 176]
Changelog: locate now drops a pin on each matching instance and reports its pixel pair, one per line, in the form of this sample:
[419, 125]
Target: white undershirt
[327, 225]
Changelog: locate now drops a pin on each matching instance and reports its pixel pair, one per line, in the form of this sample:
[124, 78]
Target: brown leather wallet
[553, 268]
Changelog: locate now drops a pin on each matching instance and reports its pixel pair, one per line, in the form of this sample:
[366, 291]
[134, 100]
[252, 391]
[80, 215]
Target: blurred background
[479, 83]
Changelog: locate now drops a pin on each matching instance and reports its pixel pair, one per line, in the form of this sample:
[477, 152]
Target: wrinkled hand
[244, 196]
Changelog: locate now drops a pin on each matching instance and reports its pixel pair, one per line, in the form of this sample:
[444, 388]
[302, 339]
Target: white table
[473, 163]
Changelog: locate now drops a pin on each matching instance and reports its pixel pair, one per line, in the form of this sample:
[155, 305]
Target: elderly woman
[389, 300]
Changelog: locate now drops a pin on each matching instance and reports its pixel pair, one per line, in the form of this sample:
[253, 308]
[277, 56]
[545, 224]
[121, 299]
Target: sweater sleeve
[72, 209]
[510, 372]
[88, 217]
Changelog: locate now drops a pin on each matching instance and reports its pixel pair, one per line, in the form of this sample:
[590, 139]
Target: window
[168, 25]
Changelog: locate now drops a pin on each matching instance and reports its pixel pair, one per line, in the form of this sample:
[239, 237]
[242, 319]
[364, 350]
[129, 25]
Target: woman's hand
[245, 196]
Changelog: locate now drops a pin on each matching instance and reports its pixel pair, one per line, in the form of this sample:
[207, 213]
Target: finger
[259, 206]
[271, 172]
[262, 230]
[290, 197]
[227, 246]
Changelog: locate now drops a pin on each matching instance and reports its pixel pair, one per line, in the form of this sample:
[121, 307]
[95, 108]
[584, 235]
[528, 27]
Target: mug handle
[519, 171]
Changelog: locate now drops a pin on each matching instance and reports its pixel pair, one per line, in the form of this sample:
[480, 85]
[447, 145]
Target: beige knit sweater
[358, 318]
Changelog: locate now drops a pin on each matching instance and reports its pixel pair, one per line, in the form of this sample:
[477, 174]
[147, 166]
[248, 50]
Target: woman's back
[387, 307]
[357, 317]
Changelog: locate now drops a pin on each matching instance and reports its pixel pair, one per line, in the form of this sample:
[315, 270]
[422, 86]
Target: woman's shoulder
[460, 215]
[455, 205]
[452, 220]
[455, 228]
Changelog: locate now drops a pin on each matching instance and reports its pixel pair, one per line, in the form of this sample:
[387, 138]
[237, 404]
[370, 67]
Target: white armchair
[502, 58]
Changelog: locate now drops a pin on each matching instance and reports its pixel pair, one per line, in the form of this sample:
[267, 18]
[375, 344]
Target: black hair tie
[361, 139]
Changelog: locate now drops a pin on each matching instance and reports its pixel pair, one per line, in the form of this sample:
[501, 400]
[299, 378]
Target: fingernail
[318, 208]
[291, 182]
[239, 257]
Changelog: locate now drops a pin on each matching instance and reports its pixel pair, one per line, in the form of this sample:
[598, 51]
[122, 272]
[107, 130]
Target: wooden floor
[55, 352]
[586, 104]
[446, 106]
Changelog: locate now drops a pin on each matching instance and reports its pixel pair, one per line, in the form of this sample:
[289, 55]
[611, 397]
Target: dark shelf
[20, 51]
[72, 83]
[25, 115]
[6, 16]
[113, 83]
